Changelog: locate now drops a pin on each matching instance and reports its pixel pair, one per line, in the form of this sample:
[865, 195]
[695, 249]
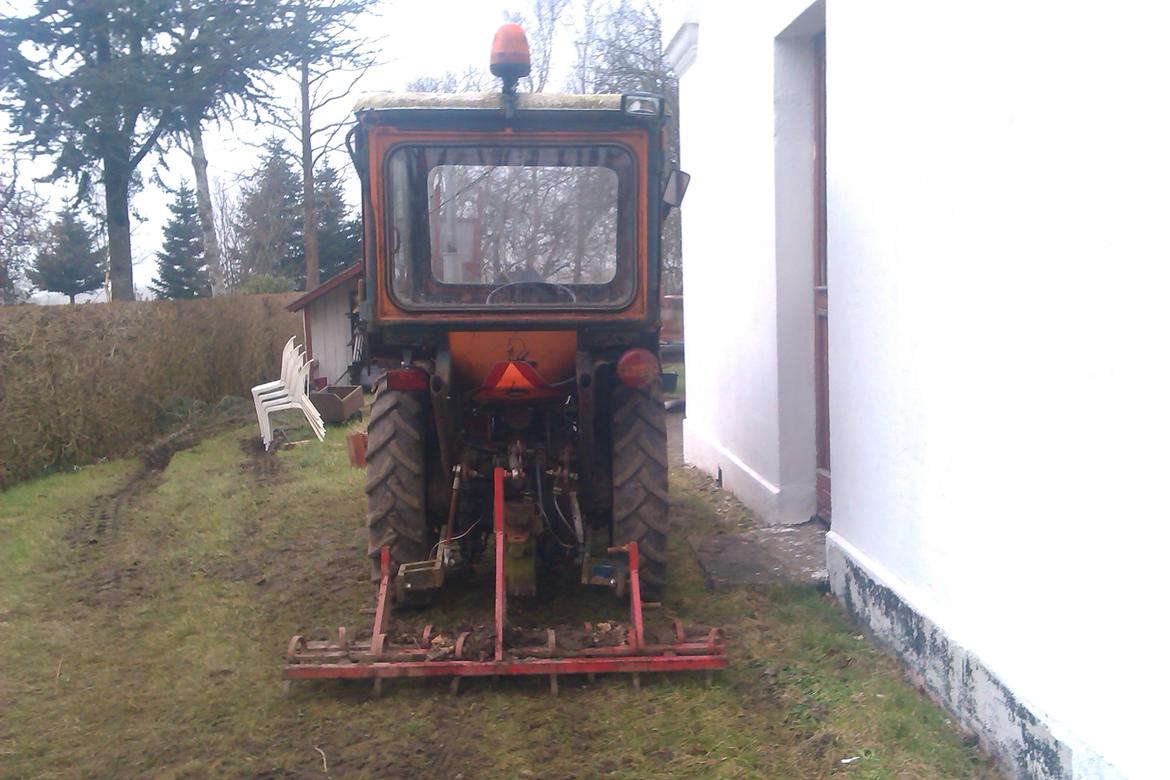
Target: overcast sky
[413, 38]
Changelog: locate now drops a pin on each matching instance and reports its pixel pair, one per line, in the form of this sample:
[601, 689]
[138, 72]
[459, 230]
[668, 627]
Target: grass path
[142, 630]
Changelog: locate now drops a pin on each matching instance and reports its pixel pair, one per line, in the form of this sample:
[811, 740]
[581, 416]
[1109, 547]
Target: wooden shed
[329, 326]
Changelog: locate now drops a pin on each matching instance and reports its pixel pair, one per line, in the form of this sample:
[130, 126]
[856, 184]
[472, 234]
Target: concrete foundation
[1024, 742]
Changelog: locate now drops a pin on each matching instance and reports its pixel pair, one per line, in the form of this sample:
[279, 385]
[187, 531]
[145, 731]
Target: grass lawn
[144, 616]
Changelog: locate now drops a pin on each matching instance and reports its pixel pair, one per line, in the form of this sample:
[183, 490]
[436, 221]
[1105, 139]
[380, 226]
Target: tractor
[510, 303]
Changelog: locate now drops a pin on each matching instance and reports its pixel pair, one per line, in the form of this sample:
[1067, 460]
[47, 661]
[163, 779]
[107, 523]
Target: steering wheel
[559, 289]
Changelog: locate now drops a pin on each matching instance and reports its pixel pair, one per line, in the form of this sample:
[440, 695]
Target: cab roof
[539, 101]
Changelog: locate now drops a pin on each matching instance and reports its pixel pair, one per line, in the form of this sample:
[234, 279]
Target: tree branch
[148, 144]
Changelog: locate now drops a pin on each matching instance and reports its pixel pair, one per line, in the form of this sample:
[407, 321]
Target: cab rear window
[537, 226]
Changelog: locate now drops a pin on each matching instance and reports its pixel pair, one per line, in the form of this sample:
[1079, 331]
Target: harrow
[391, 653]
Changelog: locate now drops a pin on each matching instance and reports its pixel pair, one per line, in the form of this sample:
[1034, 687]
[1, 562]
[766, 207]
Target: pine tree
[69, 263]
[182, 269]
[338, 231]
[270, 222]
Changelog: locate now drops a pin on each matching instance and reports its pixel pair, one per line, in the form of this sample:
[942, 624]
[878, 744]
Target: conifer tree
[97, 85]
[182, 268]
[270, 224]
[338, 231]
[69, 262]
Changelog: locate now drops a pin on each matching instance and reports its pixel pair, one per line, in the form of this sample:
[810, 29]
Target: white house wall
[998, 201]
[738, 410]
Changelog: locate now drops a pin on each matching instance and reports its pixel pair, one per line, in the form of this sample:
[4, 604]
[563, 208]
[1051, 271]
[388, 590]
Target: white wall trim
[808, 22]
[775, 505]
[683, 48]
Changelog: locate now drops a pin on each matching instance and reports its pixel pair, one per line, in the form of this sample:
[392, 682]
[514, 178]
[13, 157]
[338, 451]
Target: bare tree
[329, 52]
[502, 220]
[471, 79]
[546, 16]
[21, 225]
[619, 49]
[585, 46]
[540, 28]
[231, 240]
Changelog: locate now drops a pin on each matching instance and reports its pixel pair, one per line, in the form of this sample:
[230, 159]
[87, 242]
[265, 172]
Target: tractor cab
[531, 214]
[528, 213]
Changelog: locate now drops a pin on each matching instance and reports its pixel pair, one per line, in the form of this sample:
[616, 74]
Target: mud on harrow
[606, 649]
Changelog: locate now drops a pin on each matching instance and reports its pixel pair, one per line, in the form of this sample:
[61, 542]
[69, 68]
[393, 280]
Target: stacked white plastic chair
[288, 392]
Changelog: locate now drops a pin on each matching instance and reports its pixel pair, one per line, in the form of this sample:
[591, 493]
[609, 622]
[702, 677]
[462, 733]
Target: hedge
[80, 383]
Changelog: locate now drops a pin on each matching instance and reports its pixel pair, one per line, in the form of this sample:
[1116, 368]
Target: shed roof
[329, 285]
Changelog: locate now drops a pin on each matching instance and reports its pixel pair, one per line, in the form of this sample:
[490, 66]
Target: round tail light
[637, 367]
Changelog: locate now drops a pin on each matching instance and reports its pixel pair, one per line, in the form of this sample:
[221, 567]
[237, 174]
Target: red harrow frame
[379, 658]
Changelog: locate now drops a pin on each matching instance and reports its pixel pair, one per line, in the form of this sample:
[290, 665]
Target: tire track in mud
[88, 540]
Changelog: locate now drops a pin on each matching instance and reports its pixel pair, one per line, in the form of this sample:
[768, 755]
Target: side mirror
[676, 188]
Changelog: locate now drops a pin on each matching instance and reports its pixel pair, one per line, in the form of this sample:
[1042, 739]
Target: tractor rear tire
[396, 478]
[641, 503]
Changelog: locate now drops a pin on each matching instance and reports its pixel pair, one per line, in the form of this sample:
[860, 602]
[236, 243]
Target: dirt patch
[157, 455]
[261, 464]
[603, 634]
[113, 587]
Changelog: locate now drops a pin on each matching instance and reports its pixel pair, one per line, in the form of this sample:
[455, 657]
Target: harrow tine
[462, 638]
[552, 646]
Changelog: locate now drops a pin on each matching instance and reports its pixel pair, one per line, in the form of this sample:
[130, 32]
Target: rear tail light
[637, 367]
[408, 379]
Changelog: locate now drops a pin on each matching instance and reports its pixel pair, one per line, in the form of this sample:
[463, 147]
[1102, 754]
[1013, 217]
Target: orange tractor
[511, 303]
